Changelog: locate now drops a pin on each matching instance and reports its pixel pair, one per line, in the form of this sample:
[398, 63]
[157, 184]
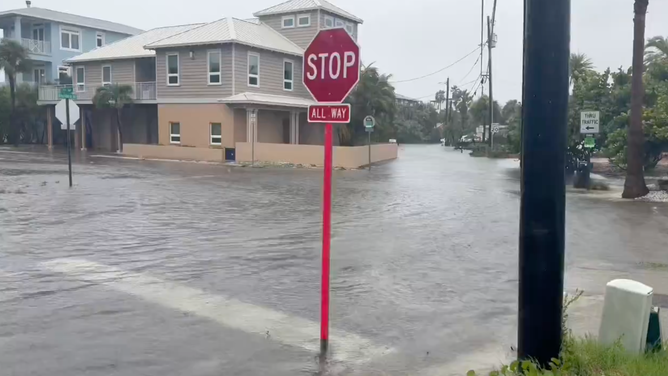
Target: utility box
[626, 311]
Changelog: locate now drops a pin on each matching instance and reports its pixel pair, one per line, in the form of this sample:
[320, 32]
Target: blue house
[52, 37]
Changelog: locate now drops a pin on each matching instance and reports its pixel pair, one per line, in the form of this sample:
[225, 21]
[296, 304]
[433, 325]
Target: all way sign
[329, 113]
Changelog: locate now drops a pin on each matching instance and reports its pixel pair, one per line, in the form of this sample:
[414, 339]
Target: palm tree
[373, 95]
[579, 64]
[14, 60]
[634, 185]
[656, 49]
[439, 98]
[114, 97]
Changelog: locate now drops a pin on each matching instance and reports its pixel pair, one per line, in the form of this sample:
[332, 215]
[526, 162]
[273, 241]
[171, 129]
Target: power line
[438, 71]
[471, 70]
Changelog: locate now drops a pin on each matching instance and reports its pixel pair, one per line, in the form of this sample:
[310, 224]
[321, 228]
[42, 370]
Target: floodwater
[166, 268]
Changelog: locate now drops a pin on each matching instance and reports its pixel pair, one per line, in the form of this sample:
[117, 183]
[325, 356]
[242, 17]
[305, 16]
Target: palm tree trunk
[13, 128]
[635, 186]
[119, 126]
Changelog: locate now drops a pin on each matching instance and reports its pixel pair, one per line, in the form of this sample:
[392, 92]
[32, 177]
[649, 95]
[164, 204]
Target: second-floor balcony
[34, 46]
[141, 91]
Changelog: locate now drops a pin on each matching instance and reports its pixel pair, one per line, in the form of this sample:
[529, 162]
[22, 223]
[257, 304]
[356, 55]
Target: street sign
[495, 129]
[589, 142]
[66, 90]
[331, 69]
[329, 113]
[331, 65]
[369, 123]
[67, 96]
[589, 122]
[61, 114]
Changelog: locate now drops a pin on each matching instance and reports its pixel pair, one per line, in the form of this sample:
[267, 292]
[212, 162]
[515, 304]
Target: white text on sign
[332, 65]
[329, 113]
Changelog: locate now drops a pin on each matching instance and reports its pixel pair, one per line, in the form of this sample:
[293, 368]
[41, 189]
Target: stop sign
[331, 65]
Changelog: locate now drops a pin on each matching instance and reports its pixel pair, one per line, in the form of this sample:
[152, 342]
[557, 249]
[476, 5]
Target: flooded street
[165, 268]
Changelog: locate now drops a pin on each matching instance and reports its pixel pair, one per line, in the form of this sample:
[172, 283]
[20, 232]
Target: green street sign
[66, 90]
[369, 122]
[67, 96]
[589, 142]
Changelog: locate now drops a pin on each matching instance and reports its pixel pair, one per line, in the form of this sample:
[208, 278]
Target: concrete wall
[344, 156]
[195, 122]
[270, 127]
[240, 125]
[174, 152]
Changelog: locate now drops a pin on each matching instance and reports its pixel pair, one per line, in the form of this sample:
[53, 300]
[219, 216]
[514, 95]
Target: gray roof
[132, 47]
[72, 19]
[231, 30]
[292, 6]
[403, 97]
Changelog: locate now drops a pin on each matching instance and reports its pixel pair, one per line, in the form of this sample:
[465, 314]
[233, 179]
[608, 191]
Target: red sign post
[331, 71]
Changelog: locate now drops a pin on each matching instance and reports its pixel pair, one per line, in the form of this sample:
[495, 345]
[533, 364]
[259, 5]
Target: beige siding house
[226, 90]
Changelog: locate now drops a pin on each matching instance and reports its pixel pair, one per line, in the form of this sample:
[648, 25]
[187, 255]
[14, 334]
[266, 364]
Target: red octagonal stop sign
[331, 66]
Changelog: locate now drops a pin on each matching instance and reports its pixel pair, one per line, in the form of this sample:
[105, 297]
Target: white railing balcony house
[38, 47]
[141, 91]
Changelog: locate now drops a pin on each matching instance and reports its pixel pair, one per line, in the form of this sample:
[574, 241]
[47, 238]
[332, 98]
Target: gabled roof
[292, 6]
[72, 19]
[132, 47]
[231, 30]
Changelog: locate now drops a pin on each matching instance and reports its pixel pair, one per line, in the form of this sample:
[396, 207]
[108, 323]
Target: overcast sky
[412, 38]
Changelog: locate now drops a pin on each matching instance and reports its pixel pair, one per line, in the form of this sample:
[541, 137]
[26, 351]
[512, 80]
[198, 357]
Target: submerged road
[165, 268]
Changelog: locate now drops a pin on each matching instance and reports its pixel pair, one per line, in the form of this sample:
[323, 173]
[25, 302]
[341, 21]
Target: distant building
[406, 101]
[52, 37]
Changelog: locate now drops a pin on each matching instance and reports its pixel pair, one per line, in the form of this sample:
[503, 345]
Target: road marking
[281, 327]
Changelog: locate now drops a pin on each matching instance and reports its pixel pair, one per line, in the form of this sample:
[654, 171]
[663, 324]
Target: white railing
[34, 46]
[141, 91]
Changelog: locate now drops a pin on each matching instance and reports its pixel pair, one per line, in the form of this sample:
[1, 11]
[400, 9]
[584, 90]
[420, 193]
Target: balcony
[141, 91]
[37, 47]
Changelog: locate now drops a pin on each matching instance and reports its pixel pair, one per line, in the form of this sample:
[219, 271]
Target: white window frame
[102, 36]
[178, 69]
[284, 18]
[352, 28]
[220, 67]
[111, 75]
[211, 136]
[341, 23]
[70, 31]
[64, 67]
[81, 86]
[308, 16]
[248, 65]
[171, 135]
[330, 18]
[292, 81]
[37, 27]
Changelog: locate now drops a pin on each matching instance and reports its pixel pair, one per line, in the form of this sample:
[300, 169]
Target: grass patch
[654, 266]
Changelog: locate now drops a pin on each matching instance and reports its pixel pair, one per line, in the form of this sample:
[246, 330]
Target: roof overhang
[267, 100]
[208, 43]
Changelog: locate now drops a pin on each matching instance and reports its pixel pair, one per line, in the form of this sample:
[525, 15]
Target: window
[39, 76]
[216, 135]
[81, 79]
[253, 69]
[106, 75]
[329, 22]
[214, 67]
[99, 39]
[338, 23]
[288, 22]
[173, 70]
[69, 40]
[350, 28]
[288, 72]
[174, 133]
[38, 32]
[304, 20]
[64, 76]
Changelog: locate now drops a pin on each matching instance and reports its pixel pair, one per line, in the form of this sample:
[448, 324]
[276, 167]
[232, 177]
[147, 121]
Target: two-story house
[225, 90]
[52, 37]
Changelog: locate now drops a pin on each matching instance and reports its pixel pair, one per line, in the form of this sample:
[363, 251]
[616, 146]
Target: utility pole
[447, 100]
[482, 45]
[543, 188]
[490, 45]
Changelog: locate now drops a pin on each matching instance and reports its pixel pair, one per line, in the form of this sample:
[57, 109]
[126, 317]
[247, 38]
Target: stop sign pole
[330, 72]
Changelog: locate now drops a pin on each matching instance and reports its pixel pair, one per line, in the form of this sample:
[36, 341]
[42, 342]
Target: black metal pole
[369, 149]
[490, 35]
[542, 217]
[69, 149]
